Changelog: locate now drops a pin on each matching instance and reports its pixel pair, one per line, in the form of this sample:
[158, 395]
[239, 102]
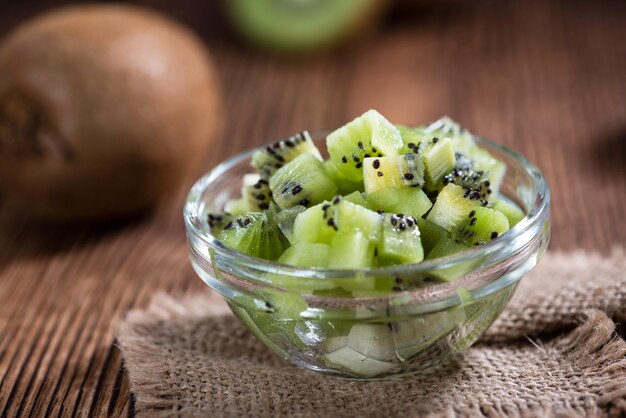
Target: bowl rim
[196, 231]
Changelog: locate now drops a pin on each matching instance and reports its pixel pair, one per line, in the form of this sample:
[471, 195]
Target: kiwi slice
[410, 201]
[452, 206]
[302, 181]
[393, 171]
[270, 158]
[481, 225]
[400, 241]
[369, 135]
[294, 25]
[251, 233]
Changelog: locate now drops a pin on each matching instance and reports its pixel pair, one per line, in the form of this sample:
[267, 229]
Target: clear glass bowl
[373, 336]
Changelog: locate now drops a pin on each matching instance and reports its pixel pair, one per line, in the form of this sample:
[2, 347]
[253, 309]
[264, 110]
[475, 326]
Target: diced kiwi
[348, 217]
[368, 135]
[344, 186]
[482, 160]
[218, 220]
[285, 220]
[351, 250]
[236, 206]
[400, 241]
[355, 363]
[410, 201]
[481, 225]
[272, 157]
[476, 184]
[452, 206]
[313, 224]
[306, 254]
[430, 234]
[302, 181]
[411, 336]
[252, 234]
[439, 160]
[256, 192]
[357, 198]
[445, 247]
[393, 171]
[512, 213]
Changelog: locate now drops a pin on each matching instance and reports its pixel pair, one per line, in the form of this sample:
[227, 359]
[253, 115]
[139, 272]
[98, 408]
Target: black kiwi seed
[473, 222]
[410, 145]
[366, 155]
[296, 189]
[379, 174]
[260, 196]
[402, 226]
[375, 252]
[376, 164]
[229, 225]
[379, 154]
[471, 214]
[355, 158]
[360, 144]
[336, 200]
[409, 222]
[359, 165]
[374, 150]
[494, 235]
[290, 144]
[344, 159]
[257, 185]
[435, 140]
[398, 280]
[330, 222]
[326, 206]
[304, 202]
[380, 211]
[264, 206]
[394, 221]
[396, 289]
[400, 215]
[408, 176]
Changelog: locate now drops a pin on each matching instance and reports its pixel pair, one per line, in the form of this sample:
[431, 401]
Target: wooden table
[547, 78]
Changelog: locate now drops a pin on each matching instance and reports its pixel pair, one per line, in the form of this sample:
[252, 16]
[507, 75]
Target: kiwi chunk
[251, 233]
[351, 250]
[410, 201]
[366, 136]
[272, 157]
[302, 181]
[256, 192]
[357, 198]
[481, 225]
[452, 206]
[512, 213]
[400, 241]
[393, 171]
[430, 234]
[439, 160]
[285, 220]
[218, 220]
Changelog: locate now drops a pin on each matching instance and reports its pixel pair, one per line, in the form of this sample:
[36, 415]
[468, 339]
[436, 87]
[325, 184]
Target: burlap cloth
[555, 351]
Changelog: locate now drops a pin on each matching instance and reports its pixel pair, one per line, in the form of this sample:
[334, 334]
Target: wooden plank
[544, 77]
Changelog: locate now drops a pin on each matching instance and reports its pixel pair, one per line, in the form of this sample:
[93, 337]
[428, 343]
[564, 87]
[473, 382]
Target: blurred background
[545, 77]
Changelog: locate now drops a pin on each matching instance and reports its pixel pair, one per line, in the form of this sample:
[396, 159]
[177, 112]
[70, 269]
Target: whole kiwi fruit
[103, 108]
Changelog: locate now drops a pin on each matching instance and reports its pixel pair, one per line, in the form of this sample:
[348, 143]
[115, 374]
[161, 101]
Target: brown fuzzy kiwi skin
[103, 110]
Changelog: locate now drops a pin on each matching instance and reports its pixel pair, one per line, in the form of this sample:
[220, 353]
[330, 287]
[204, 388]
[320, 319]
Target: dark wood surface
[547, 78]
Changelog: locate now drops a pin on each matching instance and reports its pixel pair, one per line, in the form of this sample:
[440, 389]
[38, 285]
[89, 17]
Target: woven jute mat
[557, 350]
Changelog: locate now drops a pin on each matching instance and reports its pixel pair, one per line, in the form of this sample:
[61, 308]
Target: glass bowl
[440, 308]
